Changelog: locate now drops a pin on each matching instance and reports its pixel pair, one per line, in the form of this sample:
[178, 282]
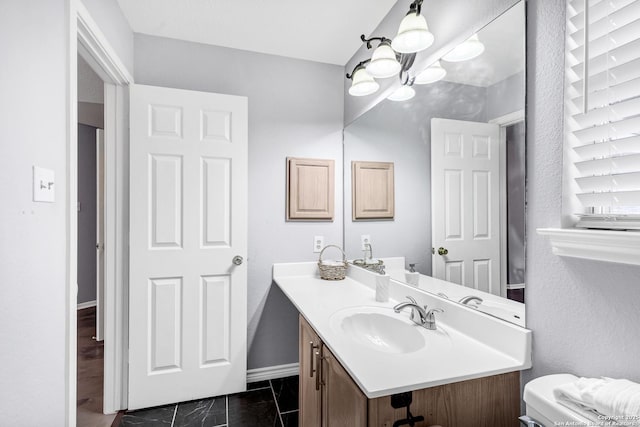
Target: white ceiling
[324, 31]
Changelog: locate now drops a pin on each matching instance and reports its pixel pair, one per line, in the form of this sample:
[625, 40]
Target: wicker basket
[332, 271]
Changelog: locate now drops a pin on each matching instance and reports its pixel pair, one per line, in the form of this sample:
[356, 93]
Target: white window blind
[602, 119]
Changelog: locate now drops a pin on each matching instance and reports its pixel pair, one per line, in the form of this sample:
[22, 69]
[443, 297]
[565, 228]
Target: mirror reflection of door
[465, 207]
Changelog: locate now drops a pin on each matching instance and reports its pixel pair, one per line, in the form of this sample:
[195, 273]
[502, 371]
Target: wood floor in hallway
[90, 373]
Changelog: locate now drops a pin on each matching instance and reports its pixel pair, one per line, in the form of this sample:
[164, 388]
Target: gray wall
[295, 109]
[584, 314]
[91, 114]
[87, 213]
[400, 132]
[506, 96]
[34, 36]
[90, 85]
[34, 46]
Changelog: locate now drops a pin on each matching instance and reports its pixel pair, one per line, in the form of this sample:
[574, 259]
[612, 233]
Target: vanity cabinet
[328, 395]
[310, 396]
[330, 398]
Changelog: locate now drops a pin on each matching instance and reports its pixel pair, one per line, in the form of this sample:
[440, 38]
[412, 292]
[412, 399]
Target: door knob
[442, 251]
[237, 260]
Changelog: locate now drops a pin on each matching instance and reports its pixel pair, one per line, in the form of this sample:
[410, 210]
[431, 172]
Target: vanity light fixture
[393, 57]
[431, 74]
[468, 49]
[413, 33]
[403, 93]
[362, 82]
[384, 61]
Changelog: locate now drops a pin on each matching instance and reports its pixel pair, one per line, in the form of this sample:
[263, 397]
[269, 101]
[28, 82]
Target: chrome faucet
[368, 248]
[418, 314]
[466, 300]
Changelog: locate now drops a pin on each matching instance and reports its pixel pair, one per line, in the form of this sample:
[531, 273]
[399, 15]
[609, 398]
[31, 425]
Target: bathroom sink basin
[380, 329]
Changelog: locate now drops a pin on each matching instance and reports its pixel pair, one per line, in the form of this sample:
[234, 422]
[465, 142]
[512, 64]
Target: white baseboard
[516, 286]
[86, 304]
[272, 372]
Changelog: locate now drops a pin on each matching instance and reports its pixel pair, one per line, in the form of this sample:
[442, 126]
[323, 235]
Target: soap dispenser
[382, 286]
[412, 276]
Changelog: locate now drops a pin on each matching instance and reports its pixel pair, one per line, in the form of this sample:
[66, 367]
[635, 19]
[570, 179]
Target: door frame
[504, 121]
[86, 39]
[100, 234]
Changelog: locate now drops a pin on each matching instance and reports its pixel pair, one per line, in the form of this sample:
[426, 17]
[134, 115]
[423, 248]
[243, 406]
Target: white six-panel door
[187, 298]
[465, 203]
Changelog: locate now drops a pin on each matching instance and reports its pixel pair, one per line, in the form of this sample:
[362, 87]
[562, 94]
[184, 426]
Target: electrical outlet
[364, 239]
[318, 243]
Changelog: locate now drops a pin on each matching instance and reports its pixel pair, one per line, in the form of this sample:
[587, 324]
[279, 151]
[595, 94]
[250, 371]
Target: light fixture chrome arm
[360, 64]
[416, 7]
[369, 40]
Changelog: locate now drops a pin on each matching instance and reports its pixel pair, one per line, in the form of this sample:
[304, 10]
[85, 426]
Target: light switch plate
[44, 185]
[364, 239]
[318, 244]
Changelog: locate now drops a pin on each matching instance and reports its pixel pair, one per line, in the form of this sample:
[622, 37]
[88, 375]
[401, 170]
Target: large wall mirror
[458, 152]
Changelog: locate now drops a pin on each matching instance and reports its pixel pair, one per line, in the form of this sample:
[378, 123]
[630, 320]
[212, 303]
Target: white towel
[614, 400]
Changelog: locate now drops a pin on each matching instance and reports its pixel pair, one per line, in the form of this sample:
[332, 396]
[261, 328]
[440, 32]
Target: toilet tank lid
[538, 395]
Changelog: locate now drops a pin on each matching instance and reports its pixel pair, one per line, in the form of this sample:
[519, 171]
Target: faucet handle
[430, 318]
[431, 312]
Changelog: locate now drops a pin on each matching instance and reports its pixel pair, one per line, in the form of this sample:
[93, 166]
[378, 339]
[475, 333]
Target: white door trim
[96, 50]
[99, 303]
[71, 217]
[85, 38]
[115, 253]
[509, 119]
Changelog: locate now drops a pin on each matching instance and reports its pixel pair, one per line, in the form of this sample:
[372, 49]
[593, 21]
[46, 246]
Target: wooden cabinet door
[343, 404]
[309, 389]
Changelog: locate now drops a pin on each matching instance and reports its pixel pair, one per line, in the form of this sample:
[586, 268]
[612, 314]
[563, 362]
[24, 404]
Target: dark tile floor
[272, 403]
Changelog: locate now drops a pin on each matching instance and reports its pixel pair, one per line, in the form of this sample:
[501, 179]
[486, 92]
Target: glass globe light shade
[431, 74]
[362, 83]
[383, 62]
[403, 93]
[413, 34]
[469, 49]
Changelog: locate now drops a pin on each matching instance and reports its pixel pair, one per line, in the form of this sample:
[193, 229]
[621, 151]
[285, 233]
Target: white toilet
[543, 408]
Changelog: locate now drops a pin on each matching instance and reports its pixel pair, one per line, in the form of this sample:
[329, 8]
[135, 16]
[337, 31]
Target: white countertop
[479, 345]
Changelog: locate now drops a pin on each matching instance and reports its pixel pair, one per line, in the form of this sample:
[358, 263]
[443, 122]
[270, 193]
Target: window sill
[600, 245]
